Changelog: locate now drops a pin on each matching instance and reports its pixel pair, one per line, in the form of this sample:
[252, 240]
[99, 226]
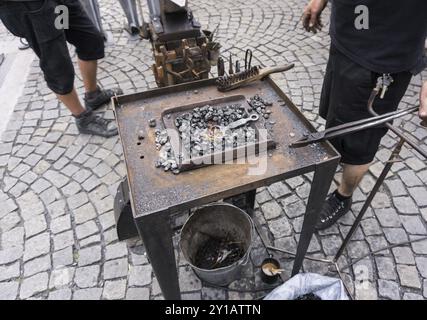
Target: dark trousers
[35, 21]
[345, 93]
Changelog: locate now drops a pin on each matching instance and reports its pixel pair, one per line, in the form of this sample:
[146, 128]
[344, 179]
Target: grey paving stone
[101, 169]
[213, 294]
[37, 246]
[367, 291]
[138, 294]
[70, 170]
[33, 285]
[388, 217]
[86, 277]
[60, 294]
[9, 290]
[63, 240]
[409, 178]
[35, 226]
[371, 227]
[419, 194]
[89, 255]
[104, 205]
[412, 296]
[77, 200]
[64, 257]
[419, 247]
[86, 229]
[57, 179]
[90, 241]
[388, 289]
[140, 276]
[280, 227]
[263, 196]
[71, 189]
[30, 205]
[409, 276]
[395, 235]
[88, 294]
[116, 269]
[405, 205]
[60, 224]
[55, 153]
[403, 255]
[413, 225]
[116, 250]
[381, 200]
[385, 268]
[422, 266]
[11, 254]
[91, 183]
[81, 175]
[29, 177]
[107, 220]
[114, 290]
[12, 238]
[278, 190]
[188, 280]
[295, 209]
[357, 249]
[37, 265]
[84, 213]
[61, 277]
[9, 272]
[331, 244]
[10, 221]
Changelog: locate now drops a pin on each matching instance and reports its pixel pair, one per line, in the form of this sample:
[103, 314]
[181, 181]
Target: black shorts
[345, 93]
[35, 21]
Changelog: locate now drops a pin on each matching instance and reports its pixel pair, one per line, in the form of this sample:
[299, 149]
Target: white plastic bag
[325, 288]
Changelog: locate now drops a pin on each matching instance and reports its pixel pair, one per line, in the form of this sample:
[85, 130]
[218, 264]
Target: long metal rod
[397, 131]
[371, 196]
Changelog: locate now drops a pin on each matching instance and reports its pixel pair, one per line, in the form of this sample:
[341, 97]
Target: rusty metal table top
[153, 190]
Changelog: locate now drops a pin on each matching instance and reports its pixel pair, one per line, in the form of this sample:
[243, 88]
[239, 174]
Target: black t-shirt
[394, 41]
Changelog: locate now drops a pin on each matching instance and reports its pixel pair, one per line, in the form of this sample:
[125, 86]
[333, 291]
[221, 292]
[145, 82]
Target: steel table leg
[156, 233]
[250, 202]
[322, 180]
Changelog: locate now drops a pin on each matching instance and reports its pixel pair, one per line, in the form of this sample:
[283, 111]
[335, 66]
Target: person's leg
[89, 44]
[88, 70]
[344, 99]
[72, 102]
[351, 177]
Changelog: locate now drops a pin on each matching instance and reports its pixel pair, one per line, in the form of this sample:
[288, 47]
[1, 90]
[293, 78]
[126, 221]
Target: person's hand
[311, 16]
[422, 113]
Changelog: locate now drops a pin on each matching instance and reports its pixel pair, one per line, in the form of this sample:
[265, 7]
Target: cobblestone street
[58, 237]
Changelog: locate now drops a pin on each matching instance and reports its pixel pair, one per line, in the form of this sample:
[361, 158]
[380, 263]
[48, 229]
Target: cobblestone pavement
[58, 239]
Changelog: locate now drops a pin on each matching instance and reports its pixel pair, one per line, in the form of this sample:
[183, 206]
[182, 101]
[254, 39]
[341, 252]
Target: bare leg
[88, 70]
[72, 102]
[351, 177]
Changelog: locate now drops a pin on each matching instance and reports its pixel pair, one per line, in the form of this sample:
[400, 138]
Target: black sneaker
[90, 123]
[94, 100]
[333, 209]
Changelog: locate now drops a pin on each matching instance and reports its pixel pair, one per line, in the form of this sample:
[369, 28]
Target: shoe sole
[99, 135]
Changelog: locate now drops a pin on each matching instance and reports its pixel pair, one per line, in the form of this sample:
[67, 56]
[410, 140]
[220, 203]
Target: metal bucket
[216, 221]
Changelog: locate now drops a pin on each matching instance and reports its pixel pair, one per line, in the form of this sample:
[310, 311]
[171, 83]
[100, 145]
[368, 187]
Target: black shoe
[94, 100]
[90, 123]
[333, 209]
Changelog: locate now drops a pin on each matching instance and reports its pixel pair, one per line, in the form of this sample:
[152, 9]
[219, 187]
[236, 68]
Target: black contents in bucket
[308, 296]
[217, 253]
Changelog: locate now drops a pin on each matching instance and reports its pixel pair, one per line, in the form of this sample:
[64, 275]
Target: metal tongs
[350, 127]
[383, 84]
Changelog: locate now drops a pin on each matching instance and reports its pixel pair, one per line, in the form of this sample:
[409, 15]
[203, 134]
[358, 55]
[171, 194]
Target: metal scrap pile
[205, 130]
